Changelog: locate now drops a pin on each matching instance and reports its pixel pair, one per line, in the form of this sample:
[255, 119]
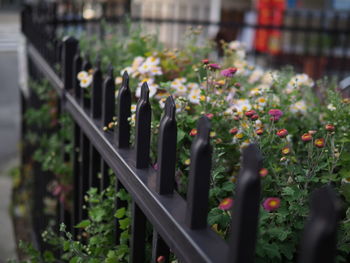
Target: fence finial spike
[110, 71]
[319, 238]
[144, 92]
[203, 128]
[170, 107]
[98, 61]
[125, 82]
[251, 157]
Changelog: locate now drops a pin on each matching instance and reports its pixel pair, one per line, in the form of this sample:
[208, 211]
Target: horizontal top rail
[166, 212]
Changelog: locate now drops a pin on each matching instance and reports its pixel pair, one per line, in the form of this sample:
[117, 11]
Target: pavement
[9, 124]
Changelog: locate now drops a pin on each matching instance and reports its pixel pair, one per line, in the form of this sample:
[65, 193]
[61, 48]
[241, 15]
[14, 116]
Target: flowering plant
[304, 137]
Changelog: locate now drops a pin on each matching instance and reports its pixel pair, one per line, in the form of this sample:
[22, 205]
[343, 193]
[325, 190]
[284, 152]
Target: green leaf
[124, 223]
[83, 224]
[120, 213]
[180, 135]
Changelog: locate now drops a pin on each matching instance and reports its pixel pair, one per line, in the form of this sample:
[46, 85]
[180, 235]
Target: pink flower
[226, 203]
[263, 172]
[214, 66]
[229, 72]
[209, 115]
[271, 203]
[275, 114]
[205, 61]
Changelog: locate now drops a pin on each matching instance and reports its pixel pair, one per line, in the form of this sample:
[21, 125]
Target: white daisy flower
[298, 107]
[82, 75]
[255, 76]
[86, 82]
[194, 97]
[152, 61]
[133, 107]
[181, 90]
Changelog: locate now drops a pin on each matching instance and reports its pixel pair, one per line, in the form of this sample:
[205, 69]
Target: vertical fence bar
[319, 238]
[199, 179]
[166, 171]
[84, 174]
[108, 108]
[104, 175]
[85, 100]
[167, 149]
[70, 46]
[95, 167]
[160, 250]
[96, 96]
[77, 66]
[143, 128]
[124, 112]
[76, 178]
[138, 235]
[245, 211]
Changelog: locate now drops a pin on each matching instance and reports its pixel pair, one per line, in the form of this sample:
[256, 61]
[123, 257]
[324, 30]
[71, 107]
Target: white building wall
[171, 34]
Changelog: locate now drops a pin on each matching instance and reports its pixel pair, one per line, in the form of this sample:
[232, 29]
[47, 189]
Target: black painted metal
[70, 46]
[245, 211]
[319, 237]
[77, 67]
[160, 250]
[167, 149]
[124, 112]
[76, 178]
[143, 128]
[198, 186]
[95, 168]
[138, 235]
[108, 98]
[96, 96]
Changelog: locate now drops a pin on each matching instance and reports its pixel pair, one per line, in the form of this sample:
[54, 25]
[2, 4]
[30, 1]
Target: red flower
[254, 117]
[237, 85]
[205, 61]
[193, 132]
[250, 113]
[263, 172]
[226, 203]
[160, 259]
[259, 131]
[329, 127]
[234, 131]
[236, 117]
[282, 133]
[306, 137]
[214, 66]
[319, 143]
[272, 203]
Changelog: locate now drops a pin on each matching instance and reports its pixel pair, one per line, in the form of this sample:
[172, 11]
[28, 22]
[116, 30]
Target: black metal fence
[179, 225]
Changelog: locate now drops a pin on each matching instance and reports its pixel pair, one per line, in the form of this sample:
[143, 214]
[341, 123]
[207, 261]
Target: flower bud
[329, 127]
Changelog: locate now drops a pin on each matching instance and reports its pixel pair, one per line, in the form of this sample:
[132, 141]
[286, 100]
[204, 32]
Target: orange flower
[259, 131]
[263, 172]
[234, 131]
[286, 150]
[282, 133]
[319, 143]
[193, 132]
